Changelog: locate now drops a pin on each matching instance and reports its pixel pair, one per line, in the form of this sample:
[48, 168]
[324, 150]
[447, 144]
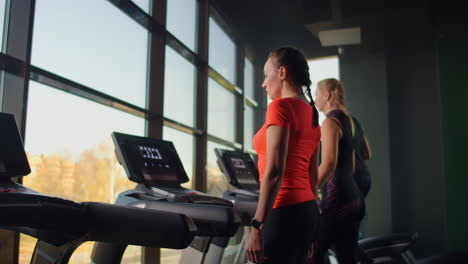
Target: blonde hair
[336, 90]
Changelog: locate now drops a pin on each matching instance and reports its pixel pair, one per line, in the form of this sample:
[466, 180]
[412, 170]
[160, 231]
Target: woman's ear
[283, 73]
[327, 95]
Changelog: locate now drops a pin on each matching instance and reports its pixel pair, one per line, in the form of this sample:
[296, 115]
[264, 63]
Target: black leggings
[342, 234]
[290, 231]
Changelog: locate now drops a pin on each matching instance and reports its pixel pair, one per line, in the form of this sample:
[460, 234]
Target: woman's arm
[277, 138]
[331, 134]
[313, 170]
[277, 148]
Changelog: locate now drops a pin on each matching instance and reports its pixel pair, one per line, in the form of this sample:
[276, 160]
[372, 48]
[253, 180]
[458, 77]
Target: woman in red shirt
[287, 215]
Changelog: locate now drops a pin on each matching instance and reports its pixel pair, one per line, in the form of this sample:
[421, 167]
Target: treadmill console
[148, 160]
[13, 160]
[239, 168]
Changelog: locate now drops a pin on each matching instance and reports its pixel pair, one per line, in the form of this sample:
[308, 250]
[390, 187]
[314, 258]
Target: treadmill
[156, 168]
[61, 225]
[242, 174]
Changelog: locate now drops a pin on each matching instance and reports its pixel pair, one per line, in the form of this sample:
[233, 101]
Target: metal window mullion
[239, 105]
[250, 102]
[201, 97]
[17, 43]
[182, 127]
[221, 141]
[217, 77]
[155, 92]
[157, 50]
[182, 49]
[52, 80]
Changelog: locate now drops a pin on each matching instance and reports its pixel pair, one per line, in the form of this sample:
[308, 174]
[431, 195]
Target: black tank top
[361, 173]
[341, 196]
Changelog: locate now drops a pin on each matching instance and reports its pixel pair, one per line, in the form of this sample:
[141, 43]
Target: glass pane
[182, 21]
[221, 116]
[68, 143]
[2, 21]
[179, 87]
[184, 145]
[320, 69]
[249, 79]
[222, 52]
[143, 4]
[248, 126]
[72, 39]
[217, 182]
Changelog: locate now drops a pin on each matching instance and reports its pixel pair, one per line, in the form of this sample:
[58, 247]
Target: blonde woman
[342, 204]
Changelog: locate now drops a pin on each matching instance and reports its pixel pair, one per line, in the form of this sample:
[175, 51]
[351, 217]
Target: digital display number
[150, 153]
[238, 163]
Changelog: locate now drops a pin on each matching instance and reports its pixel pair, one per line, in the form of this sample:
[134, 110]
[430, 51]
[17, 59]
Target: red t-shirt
[297, 116]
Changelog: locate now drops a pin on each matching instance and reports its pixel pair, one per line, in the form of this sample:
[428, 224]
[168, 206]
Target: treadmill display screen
[238, 167]
[149, 160]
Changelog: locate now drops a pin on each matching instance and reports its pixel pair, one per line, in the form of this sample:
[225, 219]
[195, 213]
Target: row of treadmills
[158, 213]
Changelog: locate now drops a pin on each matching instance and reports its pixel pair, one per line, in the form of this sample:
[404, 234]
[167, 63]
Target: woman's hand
[255, 252]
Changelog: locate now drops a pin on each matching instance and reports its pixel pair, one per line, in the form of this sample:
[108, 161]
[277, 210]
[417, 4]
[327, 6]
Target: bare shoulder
[330, 123]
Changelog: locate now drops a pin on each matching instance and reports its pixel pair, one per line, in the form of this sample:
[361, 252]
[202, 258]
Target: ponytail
[312, 103]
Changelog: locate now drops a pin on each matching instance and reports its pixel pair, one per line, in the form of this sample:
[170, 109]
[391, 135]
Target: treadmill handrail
[57, 221]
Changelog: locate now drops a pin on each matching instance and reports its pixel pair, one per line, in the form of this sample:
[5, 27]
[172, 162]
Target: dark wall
[363, 74]
[418, 184]
[453, 80]
[392, 87]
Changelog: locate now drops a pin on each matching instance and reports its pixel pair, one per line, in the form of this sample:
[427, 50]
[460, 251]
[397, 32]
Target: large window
[68, 141]
[69, 146]
[104, 46]
[181, 21]
[222, 52]
[72, 39]
[68, 138]
[323, 68]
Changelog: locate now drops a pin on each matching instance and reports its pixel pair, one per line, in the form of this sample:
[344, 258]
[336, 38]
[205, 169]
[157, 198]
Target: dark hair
[298, 70]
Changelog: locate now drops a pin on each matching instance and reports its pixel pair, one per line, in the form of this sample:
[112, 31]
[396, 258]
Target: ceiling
[262, 25]
[267, 24]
